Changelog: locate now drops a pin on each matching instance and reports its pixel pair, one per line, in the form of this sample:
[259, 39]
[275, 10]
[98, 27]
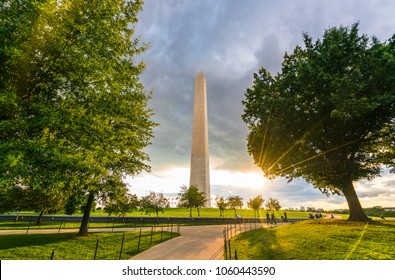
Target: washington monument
[199, 157]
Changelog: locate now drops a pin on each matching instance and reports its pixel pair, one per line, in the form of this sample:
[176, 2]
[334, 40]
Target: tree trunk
[198, 212]
[190, 212]
[38, 222]
[85, 219]
[356, 212]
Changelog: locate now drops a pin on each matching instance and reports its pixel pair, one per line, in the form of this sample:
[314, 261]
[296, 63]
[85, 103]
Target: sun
[253, 180]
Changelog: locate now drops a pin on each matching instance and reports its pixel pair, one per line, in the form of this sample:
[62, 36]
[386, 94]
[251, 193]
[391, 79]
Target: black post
[236, 255]
[150, 241]
[97, 246]
[29, 226]
[53, 254]
[61, 222]
[161, 233]
[230, 250]
[138, 245]
[225, 248]
[120, 252]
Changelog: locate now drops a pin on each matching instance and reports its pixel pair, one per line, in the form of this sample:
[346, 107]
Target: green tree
[73, 113]
[329, 116]
[273, 204]
[222, 204]
[122, 204]
[235, 202]
[153, 203]
[191, 198]
[255, 204]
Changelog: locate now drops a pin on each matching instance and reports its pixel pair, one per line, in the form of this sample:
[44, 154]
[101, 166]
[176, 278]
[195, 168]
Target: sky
[229, 40]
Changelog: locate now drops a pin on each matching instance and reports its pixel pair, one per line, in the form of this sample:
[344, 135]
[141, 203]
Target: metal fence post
[150, 241]
[138, 245]
[230, 250]
[97, 246]
[28, 226]
[120, 252]
[61, 222]
[225, 246]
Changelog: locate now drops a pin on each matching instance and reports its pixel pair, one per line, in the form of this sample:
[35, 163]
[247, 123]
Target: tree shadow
[19, 240]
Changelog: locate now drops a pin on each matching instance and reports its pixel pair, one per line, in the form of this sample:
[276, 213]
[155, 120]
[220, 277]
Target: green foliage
[329, 115]
[235, 202]
[191, 198]
[153, 203]
[222, 204]
[255, 204]
[73, 113]
[273, 204]
[378, 211]
[122, 205]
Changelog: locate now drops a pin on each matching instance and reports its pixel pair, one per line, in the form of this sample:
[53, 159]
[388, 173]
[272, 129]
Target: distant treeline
[375, 211]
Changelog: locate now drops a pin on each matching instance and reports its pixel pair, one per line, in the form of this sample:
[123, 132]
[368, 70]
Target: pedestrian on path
[273, 218]
[267, 218]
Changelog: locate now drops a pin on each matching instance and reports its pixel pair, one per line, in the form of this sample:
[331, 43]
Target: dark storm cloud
[229, 40]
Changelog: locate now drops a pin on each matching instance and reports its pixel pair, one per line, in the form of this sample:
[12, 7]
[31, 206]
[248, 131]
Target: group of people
[271, 219]
[317, 215]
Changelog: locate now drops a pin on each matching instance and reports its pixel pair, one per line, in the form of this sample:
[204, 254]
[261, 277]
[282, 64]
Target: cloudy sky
[229, 40]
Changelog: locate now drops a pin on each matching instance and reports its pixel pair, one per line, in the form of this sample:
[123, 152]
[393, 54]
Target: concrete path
[195, 243]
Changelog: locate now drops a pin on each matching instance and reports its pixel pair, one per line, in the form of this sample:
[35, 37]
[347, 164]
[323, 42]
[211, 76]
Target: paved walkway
[194, 243]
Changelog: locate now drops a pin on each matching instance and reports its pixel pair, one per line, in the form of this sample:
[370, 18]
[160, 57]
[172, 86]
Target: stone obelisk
[200, 175]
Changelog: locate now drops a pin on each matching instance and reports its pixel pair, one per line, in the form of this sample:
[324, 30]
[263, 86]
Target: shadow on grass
[19, 240]
[260, 242]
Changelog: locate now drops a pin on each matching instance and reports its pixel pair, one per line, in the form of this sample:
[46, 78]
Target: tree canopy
[255, 204]
[329, 115]
[191, 198]
[273, 204]
[153, 203]
[73, 112]
[234, 202]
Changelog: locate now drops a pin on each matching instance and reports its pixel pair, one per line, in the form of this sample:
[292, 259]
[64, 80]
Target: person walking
[273, 218]
[285, 217]
[267, 218]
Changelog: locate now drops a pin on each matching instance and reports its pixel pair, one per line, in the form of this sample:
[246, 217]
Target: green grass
[67, 246]
[170, 212]
[184, 213]
[319, 240]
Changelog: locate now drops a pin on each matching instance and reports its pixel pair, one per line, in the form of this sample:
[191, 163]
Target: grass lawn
[184, 213]
[67, 246]
[319, 240]
[170, 212]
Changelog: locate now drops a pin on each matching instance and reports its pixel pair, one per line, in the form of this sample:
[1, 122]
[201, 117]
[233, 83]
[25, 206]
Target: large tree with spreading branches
[329, 115]
[74, 115]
